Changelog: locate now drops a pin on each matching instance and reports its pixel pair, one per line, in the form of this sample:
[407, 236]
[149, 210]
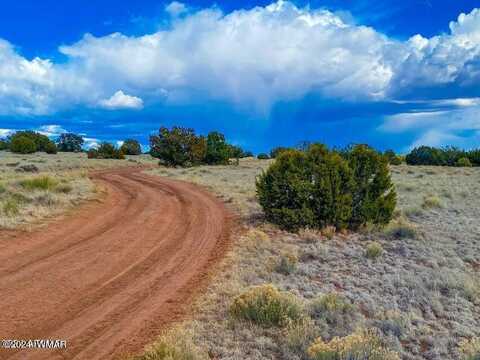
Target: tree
[70, 142]
[263, 156]
[217, 149]
[392, 158]
[235, 152]
[51, 148]
[319, 188]
[178, 146]
[106, 151]
[22, 145]
[3, 145]
[374, 197]
[425, 155]
[131, 147]
[42, 142]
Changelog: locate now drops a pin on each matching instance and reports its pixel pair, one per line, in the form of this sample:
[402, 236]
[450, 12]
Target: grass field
[38, 186]
[417, 281]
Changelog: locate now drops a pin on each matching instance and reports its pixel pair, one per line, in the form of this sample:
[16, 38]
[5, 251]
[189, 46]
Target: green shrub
[266, 306]
[22, 145]
[3, 145]
[463, 162]
[374, 250]
[263, 156]
[320, 189]
[50, 148]
[392, 158]
[131, 147]
[374, 197]
[69, 142]
[426, 155]
[474, 157]
[106, 151]
[41, 141]
[39, 183]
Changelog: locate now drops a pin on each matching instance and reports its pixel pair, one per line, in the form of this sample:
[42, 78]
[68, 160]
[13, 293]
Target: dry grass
[38, 186]
[421, 295]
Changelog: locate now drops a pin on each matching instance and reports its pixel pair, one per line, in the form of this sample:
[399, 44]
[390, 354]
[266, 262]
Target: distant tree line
[28, 142]
[446, 156]
[177, 146]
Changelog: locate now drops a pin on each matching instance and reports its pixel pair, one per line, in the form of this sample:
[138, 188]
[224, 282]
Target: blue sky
[392, 74]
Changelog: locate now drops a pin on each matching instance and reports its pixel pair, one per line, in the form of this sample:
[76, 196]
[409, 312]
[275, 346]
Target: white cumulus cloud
[249, 58]
[119, 100]
[176, 8]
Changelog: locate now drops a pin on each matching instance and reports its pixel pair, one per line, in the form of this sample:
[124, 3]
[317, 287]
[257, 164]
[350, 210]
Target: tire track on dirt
[111, 277]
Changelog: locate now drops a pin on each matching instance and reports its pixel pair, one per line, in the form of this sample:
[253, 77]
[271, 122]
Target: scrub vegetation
[407, 290]
[388, 268]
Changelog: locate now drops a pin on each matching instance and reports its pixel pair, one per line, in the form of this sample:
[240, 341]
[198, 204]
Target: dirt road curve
[110, 276]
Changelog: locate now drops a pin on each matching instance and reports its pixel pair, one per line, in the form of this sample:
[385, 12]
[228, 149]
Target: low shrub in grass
[319, 188]
[470, 349]
[22, 145]
[11, 207]
[266, 306]
[297, 336]
[432, 202]
[39, 183]
[263, 156]
[287, 264]
[176, 344]
[336, 311]
[401, 229]
[374, 250]
[361, 345]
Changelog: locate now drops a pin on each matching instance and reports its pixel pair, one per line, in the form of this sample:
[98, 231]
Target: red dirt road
[110, 276]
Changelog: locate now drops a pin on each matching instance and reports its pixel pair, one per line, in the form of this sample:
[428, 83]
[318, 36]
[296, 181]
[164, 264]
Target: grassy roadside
[39, 186]
[416, 283]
